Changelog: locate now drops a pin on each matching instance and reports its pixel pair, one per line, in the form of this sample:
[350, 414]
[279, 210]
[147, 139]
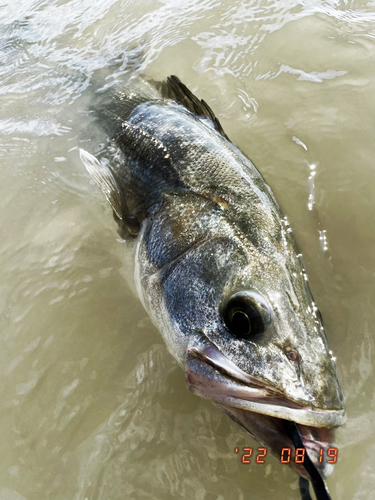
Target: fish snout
[322, 387]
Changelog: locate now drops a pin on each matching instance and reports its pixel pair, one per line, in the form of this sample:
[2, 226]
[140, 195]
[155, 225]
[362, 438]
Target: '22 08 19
[285, 456]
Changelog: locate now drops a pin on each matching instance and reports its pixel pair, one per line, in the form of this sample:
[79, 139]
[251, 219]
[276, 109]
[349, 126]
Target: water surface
[92, 406]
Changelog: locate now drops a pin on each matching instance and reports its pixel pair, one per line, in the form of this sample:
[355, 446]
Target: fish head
[236, 311]
[258, 350]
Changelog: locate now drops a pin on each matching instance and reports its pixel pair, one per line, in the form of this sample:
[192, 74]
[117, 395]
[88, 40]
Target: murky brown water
[92, 406]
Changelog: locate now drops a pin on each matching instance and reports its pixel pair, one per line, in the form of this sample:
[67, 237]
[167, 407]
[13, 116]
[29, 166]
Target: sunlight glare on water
[92, 405]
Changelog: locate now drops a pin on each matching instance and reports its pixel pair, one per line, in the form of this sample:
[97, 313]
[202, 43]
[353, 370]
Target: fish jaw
[258, 407]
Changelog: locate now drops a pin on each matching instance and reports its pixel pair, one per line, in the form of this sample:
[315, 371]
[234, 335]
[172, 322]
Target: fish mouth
[260, 408]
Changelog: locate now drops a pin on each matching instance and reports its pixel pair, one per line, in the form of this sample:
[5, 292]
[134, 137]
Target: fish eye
[246, 314]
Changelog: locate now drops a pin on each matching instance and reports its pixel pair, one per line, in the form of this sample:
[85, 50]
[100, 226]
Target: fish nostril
[292, 355]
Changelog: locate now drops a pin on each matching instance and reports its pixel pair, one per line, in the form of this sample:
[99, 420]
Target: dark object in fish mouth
[317, 481]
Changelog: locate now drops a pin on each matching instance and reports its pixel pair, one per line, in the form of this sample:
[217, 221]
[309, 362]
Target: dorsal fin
[173, 88]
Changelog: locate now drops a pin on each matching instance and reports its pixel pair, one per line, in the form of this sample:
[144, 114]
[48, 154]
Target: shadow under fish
[218, 270]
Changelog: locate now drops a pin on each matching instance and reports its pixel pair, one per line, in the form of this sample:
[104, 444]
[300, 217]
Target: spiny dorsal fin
[105, 179]
[173, 88]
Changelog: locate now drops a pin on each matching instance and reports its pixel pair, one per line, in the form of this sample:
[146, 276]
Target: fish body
[217, 267]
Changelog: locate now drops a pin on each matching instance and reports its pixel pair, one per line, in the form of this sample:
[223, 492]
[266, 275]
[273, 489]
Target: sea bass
[217, 268]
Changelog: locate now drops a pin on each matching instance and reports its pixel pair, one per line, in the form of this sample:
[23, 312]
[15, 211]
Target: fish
[217, 268]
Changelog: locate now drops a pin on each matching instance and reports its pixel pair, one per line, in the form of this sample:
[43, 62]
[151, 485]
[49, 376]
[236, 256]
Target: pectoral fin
[105, 179]
[107, 182]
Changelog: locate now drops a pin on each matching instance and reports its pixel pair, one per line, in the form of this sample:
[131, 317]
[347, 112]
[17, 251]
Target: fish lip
[221, 372]
[246, 392]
